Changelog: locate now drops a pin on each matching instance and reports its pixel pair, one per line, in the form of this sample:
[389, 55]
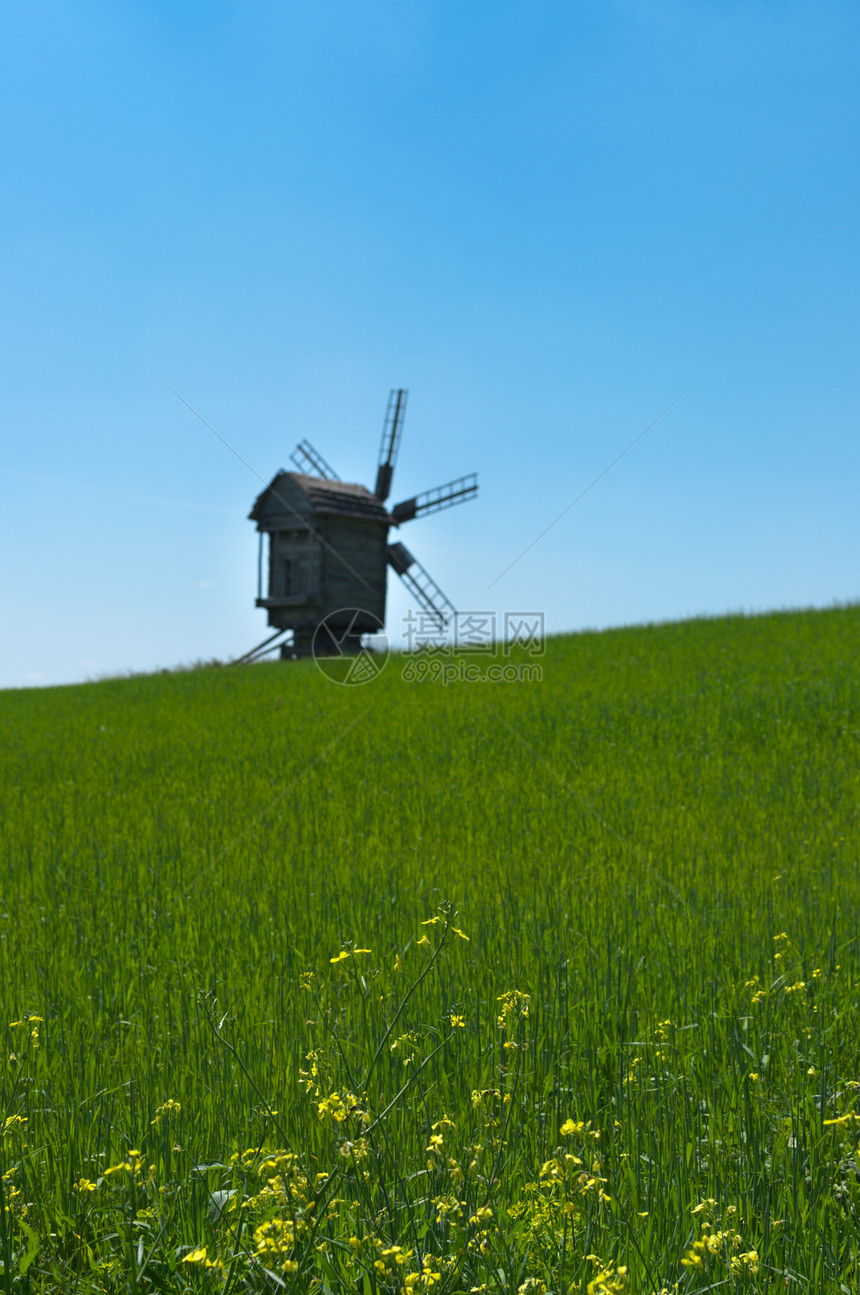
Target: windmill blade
[306, 457]
[434, 501]
[420, 584]
[391, 430]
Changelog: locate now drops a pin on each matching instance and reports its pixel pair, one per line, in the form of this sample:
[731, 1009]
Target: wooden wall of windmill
[324, 552]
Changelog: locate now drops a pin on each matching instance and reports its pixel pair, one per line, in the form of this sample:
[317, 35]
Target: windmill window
[294, 564]
[295, 576]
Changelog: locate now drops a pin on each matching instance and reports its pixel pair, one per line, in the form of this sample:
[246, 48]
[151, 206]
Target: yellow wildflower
[570, 1127]
[200, 1257]
[170, 1107]
[747, 1261]
[196, 1256]
[608, 1281]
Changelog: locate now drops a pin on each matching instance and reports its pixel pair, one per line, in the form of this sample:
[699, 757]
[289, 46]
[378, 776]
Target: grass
[641, 1070]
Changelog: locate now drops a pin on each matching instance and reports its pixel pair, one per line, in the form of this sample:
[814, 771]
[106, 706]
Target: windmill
[325, 553]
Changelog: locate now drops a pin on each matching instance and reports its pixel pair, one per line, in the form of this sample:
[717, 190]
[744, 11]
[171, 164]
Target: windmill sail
[420, 584]
[311, 462]
[434, 501]
[391, 431]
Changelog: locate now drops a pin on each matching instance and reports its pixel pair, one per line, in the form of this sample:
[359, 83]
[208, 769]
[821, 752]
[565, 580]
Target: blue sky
[545, 219]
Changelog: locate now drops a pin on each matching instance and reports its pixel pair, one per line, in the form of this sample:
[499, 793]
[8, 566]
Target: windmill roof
[342, 498]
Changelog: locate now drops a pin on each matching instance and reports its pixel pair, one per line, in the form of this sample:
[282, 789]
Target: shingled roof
[341, 498]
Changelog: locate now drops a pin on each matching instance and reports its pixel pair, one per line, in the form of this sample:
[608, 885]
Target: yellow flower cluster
[273, 1244]
[199, 1256]
[311, 1079]
[133, 1165]
[406, 1044]
[31, 1023]
[746, 1262]
[514, 1007]
[428, 1275]
[546, 1210]
[14, 1124]
[448, 1205]
[342, 1108]
[711, 1243]
[12, 1194]
[607, 1281]
[390, 1259]
[170, 1107]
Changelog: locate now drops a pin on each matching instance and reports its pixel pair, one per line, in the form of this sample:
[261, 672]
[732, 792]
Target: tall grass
[643, 1063]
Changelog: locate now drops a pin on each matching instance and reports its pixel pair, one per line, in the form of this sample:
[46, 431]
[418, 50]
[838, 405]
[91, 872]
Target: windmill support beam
[248, 657]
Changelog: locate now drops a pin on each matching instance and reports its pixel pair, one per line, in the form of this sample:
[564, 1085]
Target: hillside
[653, 852]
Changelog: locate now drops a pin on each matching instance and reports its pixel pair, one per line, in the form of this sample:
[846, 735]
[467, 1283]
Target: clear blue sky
[544, 218]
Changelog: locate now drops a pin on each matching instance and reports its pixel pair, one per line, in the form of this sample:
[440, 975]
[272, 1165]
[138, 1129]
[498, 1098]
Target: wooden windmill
[328, 551]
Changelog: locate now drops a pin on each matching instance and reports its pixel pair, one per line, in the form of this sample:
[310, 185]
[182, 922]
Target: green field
[237, 1060]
